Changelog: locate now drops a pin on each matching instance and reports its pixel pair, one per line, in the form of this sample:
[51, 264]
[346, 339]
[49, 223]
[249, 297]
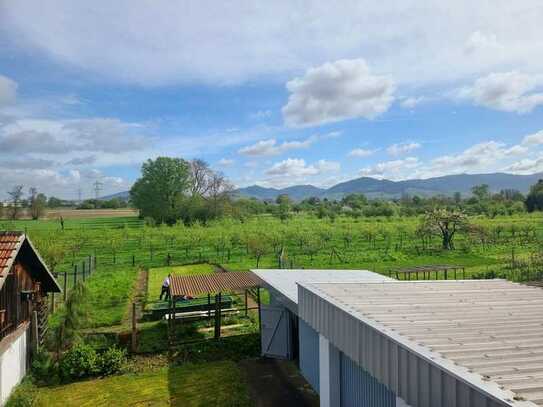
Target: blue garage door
[360, 389]
[309, 353]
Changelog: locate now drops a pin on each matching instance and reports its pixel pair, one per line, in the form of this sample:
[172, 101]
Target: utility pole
[97, 188]
[79, 195]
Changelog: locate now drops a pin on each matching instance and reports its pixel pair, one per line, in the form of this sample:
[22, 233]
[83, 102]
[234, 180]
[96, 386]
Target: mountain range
[382, 188]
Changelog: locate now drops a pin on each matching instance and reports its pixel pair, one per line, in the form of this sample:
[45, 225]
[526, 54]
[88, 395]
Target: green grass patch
[209, 384]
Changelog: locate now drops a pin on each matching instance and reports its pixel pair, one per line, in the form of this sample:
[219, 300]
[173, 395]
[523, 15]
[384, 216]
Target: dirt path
[139, 293]
[275, 383]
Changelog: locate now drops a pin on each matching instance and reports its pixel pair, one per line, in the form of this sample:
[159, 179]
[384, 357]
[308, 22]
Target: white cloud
[533, 139]
[509, 92]
[361, 152]
[225, 162]
[477, 156]
[270, 147]
[526, 166]
[295, 171]
[396, 169]
[261, 114]
[402, 148]
[479, 42]
[8, 90]
[336, 91]
[412, 102]
[292, 167]
[162, 41]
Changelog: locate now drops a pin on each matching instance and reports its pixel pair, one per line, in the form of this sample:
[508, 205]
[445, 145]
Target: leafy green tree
[534, 199]
[481, 192]
[283, 207]
[446, 224]
[157, 194]
[38, 202]
[54, 202]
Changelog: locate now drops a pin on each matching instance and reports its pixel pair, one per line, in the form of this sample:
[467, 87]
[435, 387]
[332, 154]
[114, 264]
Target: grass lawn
[209, 384]
[157, 276]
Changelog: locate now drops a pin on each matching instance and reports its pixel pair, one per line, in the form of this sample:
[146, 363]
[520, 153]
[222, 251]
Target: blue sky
[271, 94]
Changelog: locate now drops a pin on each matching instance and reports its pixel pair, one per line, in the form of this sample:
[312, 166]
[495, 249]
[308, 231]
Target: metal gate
[276, 333]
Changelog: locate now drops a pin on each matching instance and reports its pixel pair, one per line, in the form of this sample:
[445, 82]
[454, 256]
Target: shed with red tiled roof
[25, 282]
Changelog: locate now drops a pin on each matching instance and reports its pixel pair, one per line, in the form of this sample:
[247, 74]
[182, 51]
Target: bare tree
[201, 174]
[16, 201]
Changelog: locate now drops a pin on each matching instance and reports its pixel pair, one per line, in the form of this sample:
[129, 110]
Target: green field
[125, 246]
[190, 385]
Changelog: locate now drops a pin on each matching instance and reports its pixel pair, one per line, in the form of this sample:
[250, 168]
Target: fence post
[35, 332]
[218, 316]
[75, 275]
[134, 328]
[65, 285]
[246, 302]
[133, 260]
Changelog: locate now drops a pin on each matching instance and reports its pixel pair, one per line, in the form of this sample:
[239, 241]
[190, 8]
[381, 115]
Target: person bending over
[165, 288]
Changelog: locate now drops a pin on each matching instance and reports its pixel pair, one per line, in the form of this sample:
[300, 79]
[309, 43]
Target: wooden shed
[25, 282]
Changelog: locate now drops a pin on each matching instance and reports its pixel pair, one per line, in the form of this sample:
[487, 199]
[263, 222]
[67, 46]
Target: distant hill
[375, 188]
[123, 196]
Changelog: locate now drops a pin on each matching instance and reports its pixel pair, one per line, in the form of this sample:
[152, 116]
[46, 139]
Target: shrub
[44, 368]
[111, 361]
[78, 362]
[24, 394]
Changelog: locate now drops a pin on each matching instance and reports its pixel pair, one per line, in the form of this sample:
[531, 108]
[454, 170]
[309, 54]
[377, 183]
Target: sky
[270, 93]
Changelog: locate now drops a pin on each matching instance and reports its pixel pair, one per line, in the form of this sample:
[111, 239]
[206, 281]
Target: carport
[214, 286]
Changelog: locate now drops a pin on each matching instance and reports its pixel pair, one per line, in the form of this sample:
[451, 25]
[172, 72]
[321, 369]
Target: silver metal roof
[438, 343]
[285, 280]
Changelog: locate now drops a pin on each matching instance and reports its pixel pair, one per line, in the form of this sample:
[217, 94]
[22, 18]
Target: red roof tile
[10, 242]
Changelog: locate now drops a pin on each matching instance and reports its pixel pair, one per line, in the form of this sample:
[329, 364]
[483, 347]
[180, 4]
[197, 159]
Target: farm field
[72, 213]
[125, 246]
[191, 385]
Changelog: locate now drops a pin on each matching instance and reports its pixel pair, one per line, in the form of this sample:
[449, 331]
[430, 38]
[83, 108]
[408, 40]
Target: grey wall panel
[309, 354]
[360, 389]
[415, 378]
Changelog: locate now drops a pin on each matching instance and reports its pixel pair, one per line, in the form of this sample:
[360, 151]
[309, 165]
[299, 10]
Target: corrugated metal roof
[285, 280]
[487, 334]
[212, 283]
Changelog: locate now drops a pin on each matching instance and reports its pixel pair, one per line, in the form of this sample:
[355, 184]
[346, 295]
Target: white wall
[13, 366]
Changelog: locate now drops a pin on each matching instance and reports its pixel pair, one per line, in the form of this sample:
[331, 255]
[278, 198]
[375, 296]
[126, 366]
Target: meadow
[124, 247]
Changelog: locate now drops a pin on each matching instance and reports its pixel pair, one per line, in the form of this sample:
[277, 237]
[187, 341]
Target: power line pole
[79, 195]
[97, 189]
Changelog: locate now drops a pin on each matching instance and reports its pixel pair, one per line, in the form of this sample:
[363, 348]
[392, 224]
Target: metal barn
[286, 335]
[413, 343]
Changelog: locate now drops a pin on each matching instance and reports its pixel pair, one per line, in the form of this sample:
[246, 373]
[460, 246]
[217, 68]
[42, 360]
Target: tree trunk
[447, 240]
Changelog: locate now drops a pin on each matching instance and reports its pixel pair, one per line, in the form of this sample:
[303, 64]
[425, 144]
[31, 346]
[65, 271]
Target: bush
[80, 361]
[24, 394]
[111, 361]
[44, 369]
[83, 361]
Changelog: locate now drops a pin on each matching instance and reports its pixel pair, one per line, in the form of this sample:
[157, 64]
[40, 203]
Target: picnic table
[159, 309]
